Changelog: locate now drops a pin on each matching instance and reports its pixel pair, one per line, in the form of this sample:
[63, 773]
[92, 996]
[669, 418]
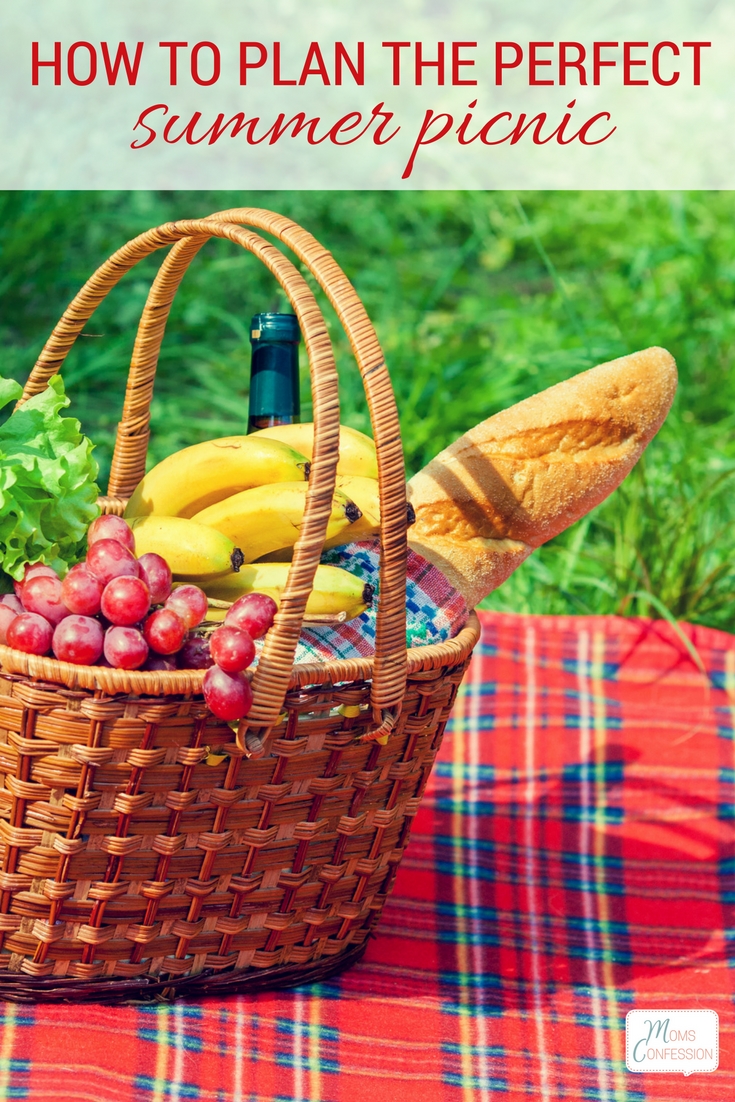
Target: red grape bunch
[117, 610]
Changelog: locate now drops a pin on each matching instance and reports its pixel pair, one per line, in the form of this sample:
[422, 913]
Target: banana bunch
[215, 506]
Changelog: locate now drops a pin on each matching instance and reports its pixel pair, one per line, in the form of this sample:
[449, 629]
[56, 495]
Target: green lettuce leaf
[47, 483]
[10, 391]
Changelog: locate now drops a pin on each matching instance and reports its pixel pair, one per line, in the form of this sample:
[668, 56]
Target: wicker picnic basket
[133, 867]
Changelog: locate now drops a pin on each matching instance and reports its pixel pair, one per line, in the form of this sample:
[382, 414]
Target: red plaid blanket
[573, 859]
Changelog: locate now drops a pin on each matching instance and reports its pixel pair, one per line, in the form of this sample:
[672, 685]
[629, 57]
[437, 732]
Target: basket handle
[273, 673]
[128, 464]
[389, 679]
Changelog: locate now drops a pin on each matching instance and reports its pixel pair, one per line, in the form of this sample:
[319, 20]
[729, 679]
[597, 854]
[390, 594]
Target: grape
[125, 600]
[111, 528]
[42, 594]
[190, 602]
[11, 601]
[164, 631]
[156, 573]
[7, 615]
[195, 655]
[159, 662]
[31, 633]
[232, 649]
[125, 648]
[108, 559]
[32, 569]
[81, 591]
[78, 639]
[253, 613]
[228, 695]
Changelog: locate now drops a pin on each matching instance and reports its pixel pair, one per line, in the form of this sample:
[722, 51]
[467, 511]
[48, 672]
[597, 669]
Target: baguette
[516, 480]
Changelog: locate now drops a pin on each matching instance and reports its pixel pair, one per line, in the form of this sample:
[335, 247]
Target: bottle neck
[274, 385]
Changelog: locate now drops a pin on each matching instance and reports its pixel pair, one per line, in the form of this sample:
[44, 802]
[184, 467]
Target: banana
[366, 496]
[282, 554]
[196, 477]
[268, 517]
[335, 591]
[194, 552]
[356, 451]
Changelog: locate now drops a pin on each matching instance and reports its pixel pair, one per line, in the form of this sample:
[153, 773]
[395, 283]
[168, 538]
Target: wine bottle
[274, 371]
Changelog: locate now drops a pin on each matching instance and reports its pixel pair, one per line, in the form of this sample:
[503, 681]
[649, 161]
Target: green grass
[479, 299]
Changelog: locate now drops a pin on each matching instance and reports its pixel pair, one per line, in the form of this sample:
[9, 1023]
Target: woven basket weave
[131, 867]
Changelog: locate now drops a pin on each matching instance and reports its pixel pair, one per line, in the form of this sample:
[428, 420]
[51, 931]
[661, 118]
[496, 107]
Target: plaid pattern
[435, 611]
[573, 859]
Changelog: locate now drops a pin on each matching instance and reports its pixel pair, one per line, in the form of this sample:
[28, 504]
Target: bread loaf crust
[522, 476]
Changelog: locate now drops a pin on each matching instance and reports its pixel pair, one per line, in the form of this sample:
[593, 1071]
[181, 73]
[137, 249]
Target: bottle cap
[283, 328]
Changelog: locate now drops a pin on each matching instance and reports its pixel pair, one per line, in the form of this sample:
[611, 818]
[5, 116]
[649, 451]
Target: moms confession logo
[671, 1040]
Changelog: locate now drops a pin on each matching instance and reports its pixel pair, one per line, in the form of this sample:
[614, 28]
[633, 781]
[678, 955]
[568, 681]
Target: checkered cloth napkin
[434, 610]
[573, 858]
